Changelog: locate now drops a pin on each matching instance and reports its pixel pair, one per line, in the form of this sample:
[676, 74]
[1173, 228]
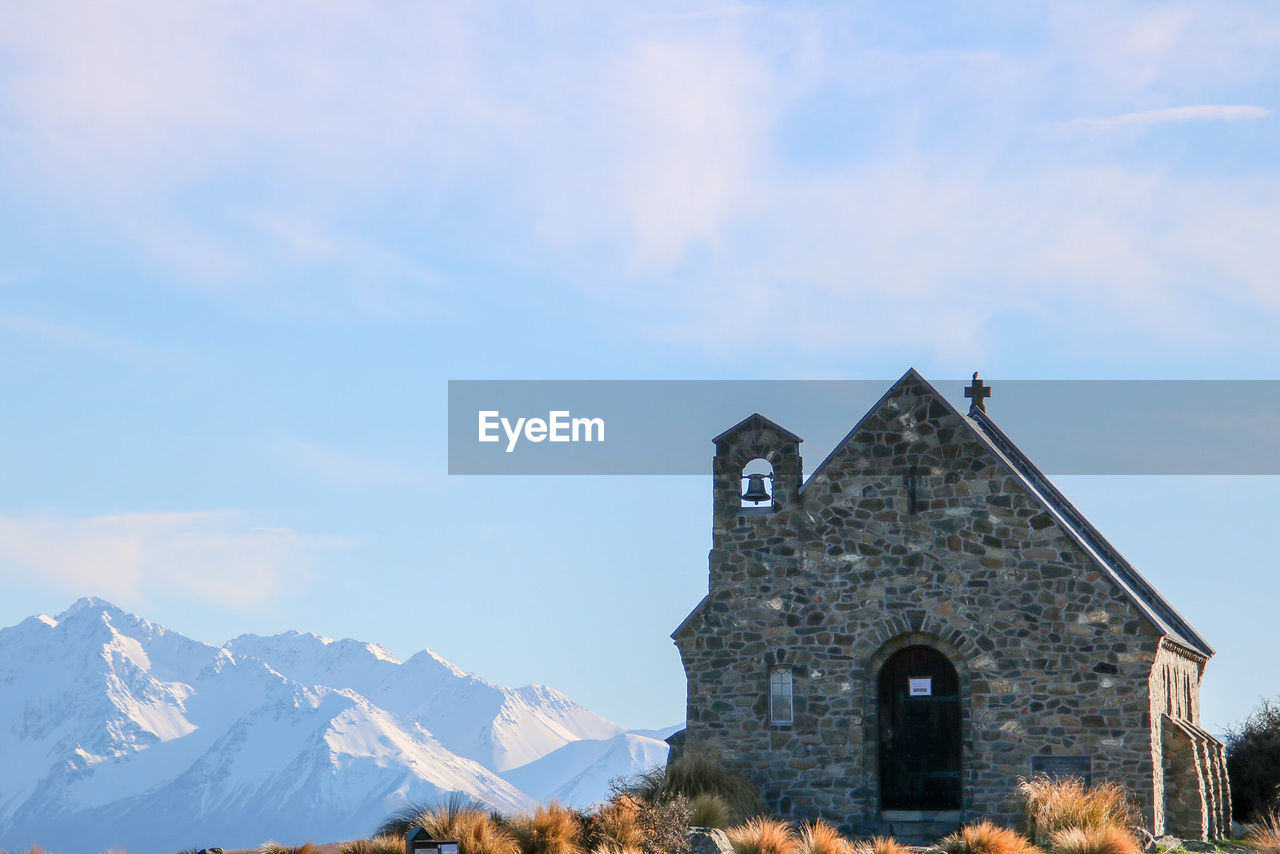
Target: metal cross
[979, 393]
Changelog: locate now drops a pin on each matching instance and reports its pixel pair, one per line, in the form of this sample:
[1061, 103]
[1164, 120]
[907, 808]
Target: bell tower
[756, 478]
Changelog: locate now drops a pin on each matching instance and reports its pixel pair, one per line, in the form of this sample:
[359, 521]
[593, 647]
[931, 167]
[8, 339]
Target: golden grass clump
[1264, 836]
[710, 810]
[1094, 840]
[476, 831]
[381, 844]
[616, 824]
[550, 829]
[986, 838]
[880, 845]
[271, 847]
[819, 837]
[763, 836]
[1052, 805]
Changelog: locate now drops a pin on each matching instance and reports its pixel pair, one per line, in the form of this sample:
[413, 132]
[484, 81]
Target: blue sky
[243, 248]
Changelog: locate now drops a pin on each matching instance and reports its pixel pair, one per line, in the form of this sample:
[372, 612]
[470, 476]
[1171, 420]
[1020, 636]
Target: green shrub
[986, 838]
[710, 810]
[763, 836]
[696, 772]
[626, 824]
[665, 826]
[1253, 763]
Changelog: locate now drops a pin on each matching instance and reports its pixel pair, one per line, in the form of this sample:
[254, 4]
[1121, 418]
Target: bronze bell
[756, 492]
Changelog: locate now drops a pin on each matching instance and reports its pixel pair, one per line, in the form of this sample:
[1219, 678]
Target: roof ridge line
[1094, 539]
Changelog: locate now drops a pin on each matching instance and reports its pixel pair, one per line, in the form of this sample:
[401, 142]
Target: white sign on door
[920, 686]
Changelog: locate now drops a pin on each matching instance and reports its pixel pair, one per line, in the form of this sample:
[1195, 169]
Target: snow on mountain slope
[499, 727]
[661, 734]
[80, 689]
[578, 774]
[116, 732]
[314, 660]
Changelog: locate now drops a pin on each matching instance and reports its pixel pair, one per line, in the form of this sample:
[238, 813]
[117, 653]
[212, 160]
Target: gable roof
[1143, 594]
[1140, 591]
[911, 374]
[756, 417]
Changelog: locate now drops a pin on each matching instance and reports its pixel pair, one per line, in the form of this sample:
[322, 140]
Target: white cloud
[1168, 115]
[645, 157]
[69, 337]
[211, 557]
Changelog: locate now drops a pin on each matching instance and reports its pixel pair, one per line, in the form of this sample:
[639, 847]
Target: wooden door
[919, 719]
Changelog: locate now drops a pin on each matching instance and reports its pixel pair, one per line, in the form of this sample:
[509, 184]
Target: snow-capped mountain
[118, 733]
[579, 772]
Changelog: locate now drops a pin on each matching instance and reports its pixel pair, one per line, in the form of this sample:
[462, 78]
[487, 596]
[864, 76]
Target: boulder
[708, 840]
[1197, 845]
[1169, 843]
[1146, 841]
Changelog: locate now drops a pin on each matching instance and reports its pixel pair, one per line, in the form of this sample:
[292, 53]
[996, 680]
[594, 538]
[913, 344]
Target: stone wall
[1197, 797]
[912, 533]
[1174, 689]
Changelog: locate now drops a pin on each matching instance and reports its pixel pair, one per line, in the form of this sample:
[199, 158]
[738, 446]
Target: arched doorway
[919, 721]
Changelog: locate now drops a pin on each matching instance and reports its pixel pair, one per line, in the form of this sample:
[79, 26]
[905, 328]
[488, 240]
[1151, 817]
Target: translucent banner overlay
[665, 427]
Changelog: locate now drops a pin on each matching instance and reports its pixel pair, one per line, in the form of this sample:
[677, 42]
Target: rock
[1168, 843]
[708, 840]
[1146, 841]
[1238, 830]
[1197, 845]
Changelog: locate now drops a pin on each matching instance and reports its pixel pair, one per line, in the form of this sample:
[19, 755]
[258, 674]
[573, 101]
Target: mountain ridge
[128, 734]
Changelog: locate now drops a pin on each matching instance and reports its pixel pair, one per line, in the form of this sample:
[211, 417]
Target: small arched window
[781, 701]
[757, 485]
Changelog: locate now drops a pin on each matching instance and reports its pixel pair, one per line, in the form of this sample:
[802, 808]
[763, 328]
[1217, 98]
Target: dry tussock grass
[880, 845]
[987, 838]
[763, 836]
[616, 824]
[550, 829]
[476, 831]
[1264, 836]
[819, 837]
[381, 844]
[710, 810]
[1094, 840]
[271, 847]
[1053, 805]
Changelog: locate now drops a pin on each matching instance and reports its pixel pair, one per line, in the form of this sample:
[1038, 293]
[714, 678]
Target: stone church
[892, 643]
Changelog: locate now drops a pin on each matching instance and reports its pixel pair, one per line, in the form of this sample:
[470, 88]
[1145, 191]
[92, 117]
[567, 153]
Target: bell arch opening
[757, 485]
